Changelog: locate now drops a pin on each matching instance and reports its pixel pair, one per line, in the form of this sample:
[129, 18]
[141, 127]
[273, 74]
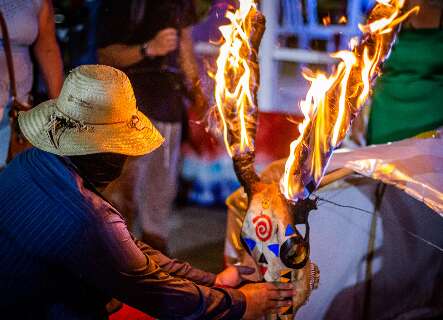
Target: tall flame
[333, 101]
[235, 80]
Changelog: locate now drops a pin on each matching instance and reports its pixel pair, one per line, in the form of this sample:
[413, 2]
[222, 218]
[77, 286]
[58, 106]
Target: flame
[333, 101]
[234, 79]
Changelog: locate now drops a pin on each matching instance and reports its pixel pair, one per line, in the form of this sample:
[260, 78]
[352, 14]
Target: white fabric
[413, 165]
[22, 21]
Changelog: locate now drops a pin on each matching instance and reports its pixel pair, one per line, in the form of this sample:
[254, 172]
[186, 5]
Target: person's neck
[86, 182]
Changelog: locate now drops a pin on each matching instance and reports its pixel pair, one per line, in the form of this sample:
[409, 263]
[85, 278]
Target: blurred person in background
[151, 42]
[31, 26]
[76, 28]
[408, 97]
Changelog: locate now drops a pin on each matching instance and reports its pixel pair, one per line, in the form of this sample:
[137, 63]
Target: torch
[275, 229]
[334, 101]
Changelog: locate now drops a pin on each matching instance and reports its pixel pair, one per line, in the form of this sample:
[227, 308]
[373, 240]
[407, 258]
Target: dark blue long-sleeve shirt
[64, 251]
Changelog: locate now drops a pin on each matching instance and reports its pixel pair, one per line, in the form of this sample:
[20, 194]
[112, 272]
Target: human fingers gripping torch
[275, 229]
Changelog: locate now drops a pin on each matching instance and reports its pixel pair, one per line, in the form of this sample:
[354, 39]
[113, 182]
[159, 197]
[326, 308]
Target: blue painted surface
[274, 248]
[289, 231]
[250, 243]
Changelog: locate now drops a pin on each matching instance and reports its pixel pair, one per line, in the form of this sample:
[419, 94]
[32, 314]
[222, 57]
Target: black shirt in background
[158, 83]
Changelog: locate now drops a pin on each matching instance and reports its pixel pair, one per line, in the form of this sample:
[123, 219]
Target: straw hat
[95, 112]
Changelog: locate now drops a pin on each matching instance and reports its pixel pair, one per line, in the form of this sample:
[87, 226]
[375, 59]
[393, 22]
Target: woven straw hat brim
[119, 138]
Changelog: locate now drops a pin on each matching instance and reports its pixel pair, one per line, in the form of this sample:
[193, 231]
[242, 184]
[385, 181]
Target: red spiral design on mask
[263, 227]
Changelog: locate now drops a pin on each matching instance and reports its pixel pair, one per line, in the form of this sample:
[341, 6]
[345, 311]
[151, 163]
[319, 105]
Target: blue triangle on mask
[250, 243]
[274, 248]
[289, 231]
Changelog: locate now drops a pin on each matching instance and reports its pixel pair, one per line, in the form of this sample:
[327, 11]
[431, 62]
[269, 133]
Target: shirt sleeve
[107, 258]
[175, 267]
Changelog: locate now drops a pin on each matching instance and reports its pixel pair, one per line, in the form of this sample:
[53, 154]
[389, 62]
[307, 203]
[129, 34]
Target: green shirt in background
[408, 98]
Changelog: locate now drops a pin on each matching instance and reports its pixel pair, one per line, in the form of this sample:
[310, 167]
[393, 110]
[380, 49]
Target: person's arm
[230, 277]
[106, 257]
[177, 268]
[121, 55]
[188, 64]
[47, 52]
[429, 16]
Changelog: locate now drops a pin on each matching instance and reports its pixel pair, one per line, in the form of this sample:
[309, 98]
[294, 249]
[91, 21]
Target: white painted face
[269, 227]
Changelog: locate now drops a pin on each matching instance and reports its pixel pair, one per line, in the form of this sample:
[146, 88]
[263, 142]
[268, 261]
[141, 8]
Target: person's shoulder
[33, 161]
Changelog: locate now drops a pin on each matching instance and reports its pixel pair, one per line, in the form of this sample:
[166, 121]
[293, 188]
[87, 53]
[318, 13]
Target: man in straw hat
[65, 251]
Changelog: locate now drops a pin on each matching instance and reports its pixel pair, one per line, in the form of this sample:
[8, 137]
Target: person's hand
[232, 276]
[262, 298]
[164, 42]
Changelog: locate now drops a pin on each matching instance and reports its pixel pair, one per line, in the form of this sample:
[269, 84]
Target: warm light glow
[326, 20]
[333, 101]
[233, 78]
[342, 20]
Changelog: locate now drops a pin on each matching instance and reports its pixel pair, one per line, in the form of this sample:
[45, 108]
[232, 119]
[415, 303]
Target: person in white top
[31, 26]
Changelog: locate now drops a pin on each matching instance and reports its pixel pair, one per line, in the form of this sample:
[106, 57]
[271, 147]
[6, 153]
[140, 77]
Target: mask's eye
[294, 252]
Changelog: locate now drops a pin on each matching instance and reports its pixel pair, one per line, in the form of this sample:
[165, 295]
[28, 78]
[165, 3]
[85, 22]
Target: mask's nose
[294, 252]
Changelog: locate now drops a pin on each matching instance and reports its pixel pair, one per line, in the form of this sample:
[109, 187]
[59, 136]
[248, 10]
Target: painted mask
[277, 237]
